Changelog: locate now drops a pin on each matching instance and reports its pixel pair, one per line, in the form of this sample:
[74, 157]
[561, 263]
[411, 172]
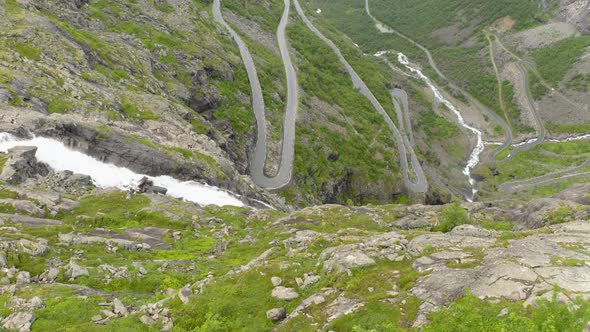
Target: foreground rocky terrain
[93, 259]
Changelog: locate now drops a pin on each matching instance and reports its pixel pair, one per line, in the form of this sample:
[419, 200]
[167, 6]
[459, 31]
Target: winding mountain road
[421, 184]
[497, 119]
[283, 176]
[403, 113]
[536, 116]
[547, 179]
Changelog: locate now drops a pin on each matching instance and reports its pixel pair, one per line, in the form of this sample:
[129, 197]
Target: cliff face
[576, 12]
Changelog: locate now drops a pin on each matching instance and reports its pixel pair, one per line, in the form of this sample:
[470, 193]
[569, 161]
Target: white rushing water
[474, 157]
[554, 140]
[61, 158]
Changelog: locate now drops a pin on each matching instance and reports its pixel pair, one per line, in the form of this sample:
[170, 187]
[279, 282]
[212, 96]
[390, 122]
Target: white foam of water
[553, 140]
[104, 175]
[474, 157]
[570, 139]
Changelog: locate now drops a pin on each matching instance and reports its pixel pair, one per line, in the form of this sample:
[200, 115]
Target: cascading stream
[60, 158]
[421, 183]
[474, 157]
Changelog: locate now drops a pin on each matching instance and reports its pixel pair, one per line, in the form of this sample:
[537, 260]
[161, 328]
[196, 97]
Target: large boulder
[22, 164]
[276, 314]
[19, 321]
[284, 293]
[74, 271]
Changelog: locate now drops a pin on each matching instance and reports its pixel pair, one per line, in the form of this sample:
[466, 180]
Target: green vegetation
[554, 61]
[7, 208]
[3, 160]
[538, 90]
[513, 111]
[452, 215]
[419, 20]
[561, 215]
[579, 82]
[28, 51]
[115, 74]
[349, 17]
[540, 160]
[472, 314]
[467, 67]
[438, 127]
[133, 112]
[59, 105]
[559, 128]
[497, 225]
[567, 261]
[322, 75]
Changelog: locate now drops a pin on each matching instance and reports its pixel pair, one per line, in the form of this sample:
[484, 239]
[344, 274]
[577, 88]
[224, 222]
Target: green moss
[28, 51]
[115, 74]
[561, 215]
[133, 112]
[497, 225]
[115, 210]
[7, 208]
[567, 261]
[3, 159]
[59, 105]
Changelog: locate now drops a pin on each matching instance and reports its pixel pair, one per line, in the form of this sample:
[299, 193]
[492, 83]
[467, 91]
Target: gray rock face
[576, 12]
[342, 306]
[344, 258]
[2, 260]
[578, 193]
[184, 293]
[119, 308]
[19, 321]
[146, 185]
[276, 314]
[284, 293]
[127, 153]
[39, 248]
[276, 281]
[22, 164]
[23, 277]
[74, 271]
[49, 275]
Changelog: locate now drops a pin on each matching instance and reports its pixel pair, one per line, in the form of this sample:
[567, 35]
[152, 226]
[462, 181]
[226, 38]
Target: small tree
[452, 215]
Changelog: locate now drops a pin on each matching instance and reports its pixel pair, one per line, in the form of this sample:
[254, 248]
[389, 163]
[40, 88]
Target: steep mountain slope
[524, 61]
[163, 76]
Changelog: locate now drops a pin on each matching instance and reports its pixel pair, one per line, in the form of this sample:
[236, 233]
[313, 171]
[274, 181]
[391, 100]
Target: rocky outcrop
[576, 12]
[276, 314]
[284, 293]
[74, 271]
[22, 164]
[19, 321]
